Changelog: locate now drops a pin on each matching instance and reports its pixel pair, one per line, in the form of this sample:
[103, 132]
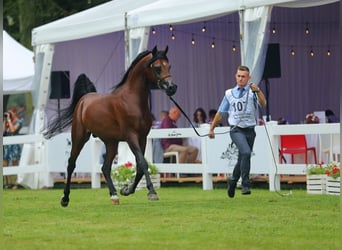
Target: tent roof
[18, 66]
[102, 19]
[110, 17]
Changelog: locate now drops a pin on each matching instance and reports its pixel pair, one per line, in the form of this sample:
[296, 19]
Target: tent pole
[127, 55]
[242, 30]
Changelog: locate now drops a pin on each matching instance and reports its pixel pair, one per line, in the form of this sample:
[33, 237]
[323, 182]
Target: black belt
[244, 129]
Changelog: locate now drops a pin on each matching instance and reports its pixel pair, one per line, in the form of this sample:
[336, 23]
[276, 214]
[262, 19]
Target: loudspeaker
[60, 85]
[272, 63]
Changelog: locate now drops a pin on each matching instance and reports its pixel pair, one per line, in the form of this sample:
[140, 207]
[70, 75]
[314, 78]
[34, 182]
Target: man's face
[242, 78]
[175, 114]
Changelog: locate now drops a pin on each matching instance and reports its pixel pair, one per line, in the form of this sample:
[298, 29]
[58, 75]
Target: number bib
[241, 110]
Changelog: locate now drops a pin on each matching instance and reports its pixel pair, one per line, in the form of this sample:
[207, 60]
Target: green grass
[183, 218]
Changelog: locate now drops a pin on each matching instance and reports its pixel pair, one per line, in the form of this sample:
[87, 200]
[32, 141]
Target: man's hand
[254, 87]
[211, 133]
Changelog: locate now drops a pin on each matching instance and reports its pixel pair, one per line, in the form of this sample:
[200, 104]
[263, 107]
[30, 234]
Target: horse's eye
[157, 70]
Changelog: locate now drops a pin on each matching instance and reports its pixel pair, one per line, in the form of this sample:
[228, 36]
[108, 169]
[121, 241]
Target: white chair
[333, 152]
[173, 157]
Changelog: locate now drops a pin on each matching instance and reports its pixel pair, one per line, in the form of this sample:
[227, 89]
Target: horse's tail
[82, 86]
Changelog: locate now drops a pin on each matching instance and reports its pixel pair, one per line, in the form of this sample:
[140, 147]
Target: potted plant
[124, 175]
[311, 118]
[316, 179]
[333, 178]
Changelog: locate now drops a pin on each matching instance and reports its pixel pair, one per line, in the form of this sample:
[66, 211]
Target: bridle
[156, 73]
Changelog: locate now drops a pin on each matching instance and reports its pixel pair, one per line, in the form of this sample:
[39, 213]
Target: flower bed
[124, 175]
[323, 179]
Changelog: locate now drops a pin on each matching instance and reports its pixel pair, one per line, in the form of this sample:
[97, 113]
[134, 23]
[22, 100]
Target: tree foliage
[21, 16]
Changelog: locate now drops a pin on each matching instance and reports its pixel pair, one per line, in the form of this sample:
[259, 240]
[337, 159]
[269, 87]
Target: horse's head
[160, 67]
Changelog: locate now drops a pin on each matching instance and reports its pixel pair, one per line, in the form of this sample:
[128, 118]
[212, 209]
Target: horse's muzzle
[169, 87]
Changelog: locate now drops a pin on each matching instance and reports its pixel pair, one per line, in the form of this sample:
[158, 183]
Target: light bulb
[204, 28]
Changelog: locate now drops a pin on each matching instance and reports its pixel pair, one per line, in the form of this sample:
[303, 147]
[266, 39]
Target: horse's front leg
[111, 151]
[142, 169]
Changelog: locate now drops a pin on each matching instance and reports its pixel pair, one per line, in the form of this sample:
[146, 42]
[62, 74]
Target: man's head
[242, 76]
[174, 113]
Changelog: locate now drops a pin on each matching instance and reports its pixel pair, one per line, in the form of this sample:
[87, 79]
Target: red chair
[295, 144]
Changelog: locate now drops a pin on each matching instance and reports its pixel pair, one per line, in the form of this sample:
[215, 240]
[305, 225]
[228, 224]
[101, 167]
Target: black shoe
[231, 188]
[245, 190]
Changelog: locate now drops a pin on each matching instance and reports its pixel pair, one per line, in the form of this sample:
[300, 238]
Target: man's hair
[243, 68]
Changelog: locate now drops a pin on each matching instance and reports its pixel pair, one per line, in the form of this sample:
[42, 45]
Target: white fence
[46, 157]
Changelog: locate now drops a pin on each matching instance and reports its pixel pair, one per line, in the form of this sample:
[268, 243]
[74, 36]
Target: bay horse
[122, 115]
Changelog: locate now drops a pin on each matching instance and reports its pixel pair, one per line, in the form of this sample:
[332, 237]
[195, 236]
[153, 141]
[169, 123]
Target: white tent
[110, 17]
[136, 17]
[18, 66]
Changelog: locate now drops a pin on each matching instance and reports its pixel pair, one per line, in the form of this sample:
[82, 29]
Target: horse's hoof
[152, 197]
[115, 200]
[125, 191]
[64, 203]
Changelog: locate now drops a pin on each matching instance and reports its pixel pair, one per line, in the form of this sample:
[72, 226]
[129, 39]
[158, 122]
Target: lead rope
[188, 119]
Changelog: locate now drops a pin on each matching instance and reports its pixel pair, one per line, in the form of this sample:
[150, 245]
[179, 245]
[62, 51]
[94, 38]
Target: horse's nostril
[171, 89]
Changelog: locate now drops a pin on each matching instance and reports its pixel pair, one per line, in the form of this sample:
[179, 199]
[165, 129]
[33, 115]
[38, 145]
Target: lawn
[183, 218]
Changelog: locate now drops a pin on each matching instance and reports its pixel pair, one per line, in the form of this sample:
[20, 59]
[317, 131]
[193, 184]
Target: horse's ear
[166, 49]
[154, 51]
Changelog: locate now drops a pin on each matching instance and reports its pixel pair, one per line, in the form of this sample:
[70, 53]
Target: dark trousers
[243, 138]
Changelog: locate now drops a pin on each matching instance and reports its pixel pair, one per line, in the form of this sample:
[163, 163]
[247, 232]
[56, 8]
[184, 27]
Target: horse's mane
[136, 60]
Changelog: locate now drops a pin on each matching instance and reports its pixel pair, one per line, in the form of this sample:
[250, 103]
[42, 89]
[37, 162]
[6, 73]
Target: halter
[156, 74]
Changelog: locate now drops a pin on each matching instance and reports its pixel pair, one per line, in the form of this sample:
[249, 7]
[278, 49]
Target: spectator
[11, 153]
[162, 115]
[330, 116]
[187, 154]
[200, 117]
[212, 114]
[22, 116]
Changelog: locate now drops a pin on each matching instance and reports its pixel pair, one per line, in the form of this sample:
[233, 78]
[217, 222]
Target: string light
[274, 29]
[328, 52]
[213, 43]
[312, 53]
[293, 52]
[233, 48]
[307, 31]
[204, 29]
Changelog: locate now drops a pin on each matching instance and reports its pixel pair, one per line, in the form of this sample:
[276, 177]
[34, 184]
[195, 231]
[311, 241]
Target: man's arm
[217, 119]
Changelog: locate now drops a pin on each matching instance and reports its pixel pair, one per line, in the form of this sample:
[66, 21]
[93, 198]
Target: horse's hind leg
[111, 151]
[76, 147]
